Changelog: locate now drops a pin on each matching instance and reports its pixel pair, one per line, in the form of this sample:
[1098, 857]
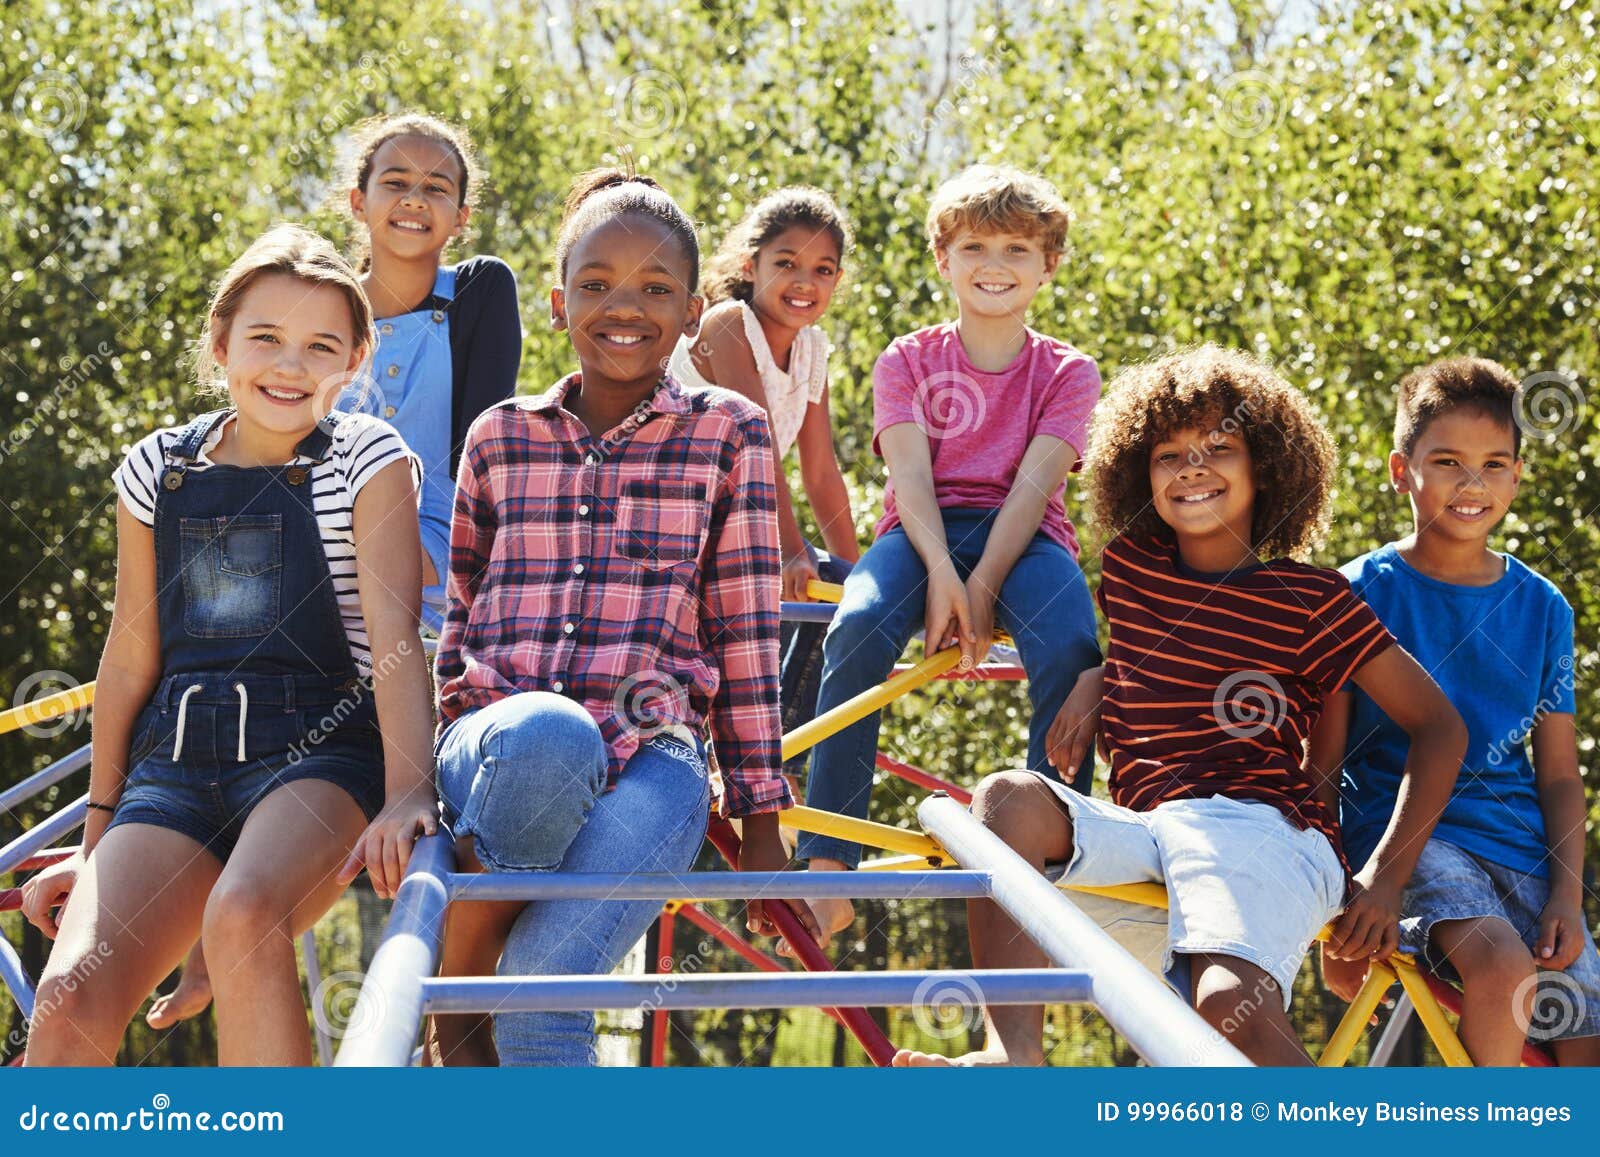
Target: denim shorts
[1453, 884]
[1241, 881]
[289, 728]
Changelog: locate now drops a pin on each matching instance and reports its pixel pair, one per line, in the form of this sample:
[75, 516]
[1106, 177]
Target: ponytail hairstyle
[797, 205]
[373, 134]
[602, 194]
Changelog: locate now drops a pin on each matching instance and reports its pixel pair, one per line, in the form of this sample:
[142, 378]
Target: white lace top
[788, 392]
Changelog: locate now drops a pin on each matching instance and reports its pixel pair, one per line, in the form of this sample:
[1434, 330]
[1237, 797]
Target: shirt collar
[668, 398]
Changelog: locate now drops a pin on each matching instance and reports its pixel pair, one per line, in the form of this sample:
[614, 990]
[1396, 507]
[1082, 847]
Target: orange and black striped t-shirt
[1213, 683]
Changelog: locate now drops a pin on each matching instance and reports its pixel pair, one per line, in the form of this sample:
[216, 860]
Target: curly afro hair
[1210, 388]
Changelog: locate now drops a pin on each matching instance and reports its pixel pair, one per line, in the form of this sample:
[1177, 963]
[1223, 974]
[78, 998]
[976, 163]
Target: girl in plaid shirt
[613, 595]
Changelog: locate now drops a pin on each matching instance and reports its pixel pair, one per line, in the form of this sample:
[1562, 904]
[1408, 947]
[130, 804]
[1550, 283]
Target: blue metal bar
[944, 989]
[1162, 1028]
[51, 830]
[19, 793]
[948, 885]
[807, 612]
[15, 978]
[383, 1027]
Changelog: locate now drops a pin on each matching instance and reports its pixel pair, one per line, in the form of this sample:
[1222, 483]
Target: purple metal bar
[45, 778]
[944, 989]
[15, 978]
[947, 885]
[36, 839]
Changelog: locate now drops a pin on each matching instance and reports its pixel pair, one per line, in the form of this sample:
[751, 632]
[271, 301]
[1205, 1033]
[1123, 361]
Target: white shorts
[1241, 881]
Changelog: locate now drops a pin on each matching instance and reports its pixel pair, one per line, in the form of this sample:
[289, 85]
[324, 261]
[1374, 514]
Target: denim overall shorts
[258, 687]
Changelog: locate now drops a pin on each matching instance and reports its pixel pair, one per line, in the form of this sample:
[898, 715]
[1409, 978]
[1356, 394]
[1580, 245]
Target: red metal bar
[10, 899]
[922, 778]
[663, 1018]
[45, 859]
[872, 1039]
[1449, 998]
[729, 938]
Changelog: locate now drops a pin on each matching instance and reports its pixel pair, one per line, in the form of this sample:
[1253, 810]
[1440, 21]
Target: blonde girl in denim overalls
[239, 776]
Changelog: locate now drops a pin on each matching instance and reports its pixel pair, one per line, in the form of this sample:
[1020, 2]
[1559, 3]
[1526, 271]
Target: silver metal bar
[19, 793]
[940, 989]
[1393, 1029]
[388, 1013]
[319, 1015]
[1160, 1027]
[51, 830]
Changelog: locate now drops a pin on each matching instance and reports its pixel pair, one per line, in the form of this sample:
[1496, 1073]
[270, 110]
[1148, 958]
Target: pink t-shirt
[979, 424]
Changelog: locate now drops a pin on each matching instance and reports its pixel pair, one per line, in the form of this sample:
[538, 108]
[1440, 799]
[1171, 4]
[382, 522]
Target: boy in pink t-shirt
[979, 422]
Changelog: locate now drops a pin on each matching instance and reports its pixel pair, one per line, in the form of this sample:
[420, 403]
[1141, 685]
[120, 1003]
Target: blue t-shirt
[1502, 653]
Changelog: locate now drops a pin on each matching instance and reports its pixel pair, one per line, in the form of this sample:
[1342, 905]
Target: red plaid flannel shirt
[636, 573]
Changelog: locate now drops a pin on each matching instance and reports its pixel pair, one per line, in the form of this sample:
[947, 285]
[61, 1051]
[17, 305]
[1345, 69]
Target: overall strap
[186, 448]
[316, 444]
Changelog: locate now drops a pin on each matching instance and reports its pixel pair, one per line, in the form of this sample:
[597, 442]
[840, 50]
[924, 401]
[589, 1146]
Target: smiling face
[626, 301]
[794, 275]
[288, 350]
[1203, 485]
[412, 202]
[995, 274]
[1462, 473]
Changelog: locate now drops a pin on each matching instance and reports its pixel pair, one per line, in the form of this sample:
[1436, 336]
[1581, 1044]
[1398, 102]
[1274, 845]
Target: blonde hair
[999, 199]
[290, 249]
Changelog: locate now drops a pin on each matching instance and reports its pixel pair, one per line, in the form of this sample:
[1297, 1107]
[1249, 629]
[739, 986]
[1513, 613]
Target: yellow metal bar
[47, 708]
[1433, 1018]
[894, 864]
[1150, 895]
[808, 735]
[809, 819]
[825, 592]
[1350, 1029]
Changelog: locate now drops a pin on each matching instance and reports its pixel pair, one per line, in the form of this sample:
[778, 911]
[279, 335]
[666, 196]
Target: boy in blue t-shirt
[1497, 892]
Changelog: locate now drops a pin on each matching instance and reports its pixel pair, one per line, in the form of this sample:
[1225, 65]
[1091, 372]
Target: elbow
[1446, 734]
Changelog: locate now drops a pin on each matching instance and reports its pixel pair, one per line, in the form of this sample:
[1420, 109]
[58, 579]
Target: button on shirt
[637, 573]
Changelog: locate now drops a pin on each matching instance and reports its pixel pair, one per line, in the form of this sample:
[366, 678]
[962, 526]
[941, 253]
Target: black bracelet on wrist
[105, 807]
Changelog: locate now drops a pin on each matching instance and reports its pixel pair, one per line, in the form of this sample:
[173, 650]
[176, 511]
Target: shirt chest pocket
[661, 524]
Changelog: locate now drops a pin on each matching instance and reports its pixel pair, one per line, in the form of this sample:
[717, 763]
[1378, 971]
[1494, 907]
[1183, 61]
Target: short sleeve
[1068, 402]
[139, 474]
[365, 446]
[1341, 636]
[893, 387]
[758, 342]
[1557, 682]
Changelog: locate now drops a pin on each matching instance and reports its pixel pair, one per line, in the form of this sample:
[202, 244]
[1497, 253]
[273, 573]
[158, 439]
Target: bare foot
[461, 1041]
[189, 999]
[911, 1059]
[833, 917]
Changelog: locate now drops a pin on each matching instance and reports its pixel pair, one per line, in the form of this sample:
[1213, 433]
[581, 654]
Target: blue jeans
[525, 777]
[800, 669]
[1044, 603]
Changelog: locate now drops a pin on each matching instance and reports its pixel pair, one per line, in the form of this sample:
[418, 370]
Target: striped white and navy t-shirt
[362, 446]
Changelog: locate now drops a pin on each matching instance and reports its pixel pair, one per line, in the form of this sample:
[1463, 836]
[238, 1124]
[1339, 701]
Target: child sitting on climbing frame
[1497, 896]
[1210, 470]
[979, 421]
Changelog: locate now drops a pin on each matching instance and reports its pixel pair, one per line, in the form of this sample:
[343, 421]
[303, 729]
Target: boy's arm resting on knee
[1403, 691]
[1076, 725]
[1558, 779]
[910, 461]
[1043, 469]
[389, 581]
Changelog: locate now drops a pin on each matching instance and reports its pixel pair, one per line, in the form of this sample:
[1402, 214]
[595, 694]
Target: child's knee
[1021, 809]
[542, 769]
[241, 917]
[862, 637]
[1243, 1004]
[1493, 960]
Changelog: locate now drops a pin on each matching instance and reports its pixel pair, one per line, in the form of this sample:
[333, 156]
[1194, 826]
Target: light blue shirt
[1502, 653]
